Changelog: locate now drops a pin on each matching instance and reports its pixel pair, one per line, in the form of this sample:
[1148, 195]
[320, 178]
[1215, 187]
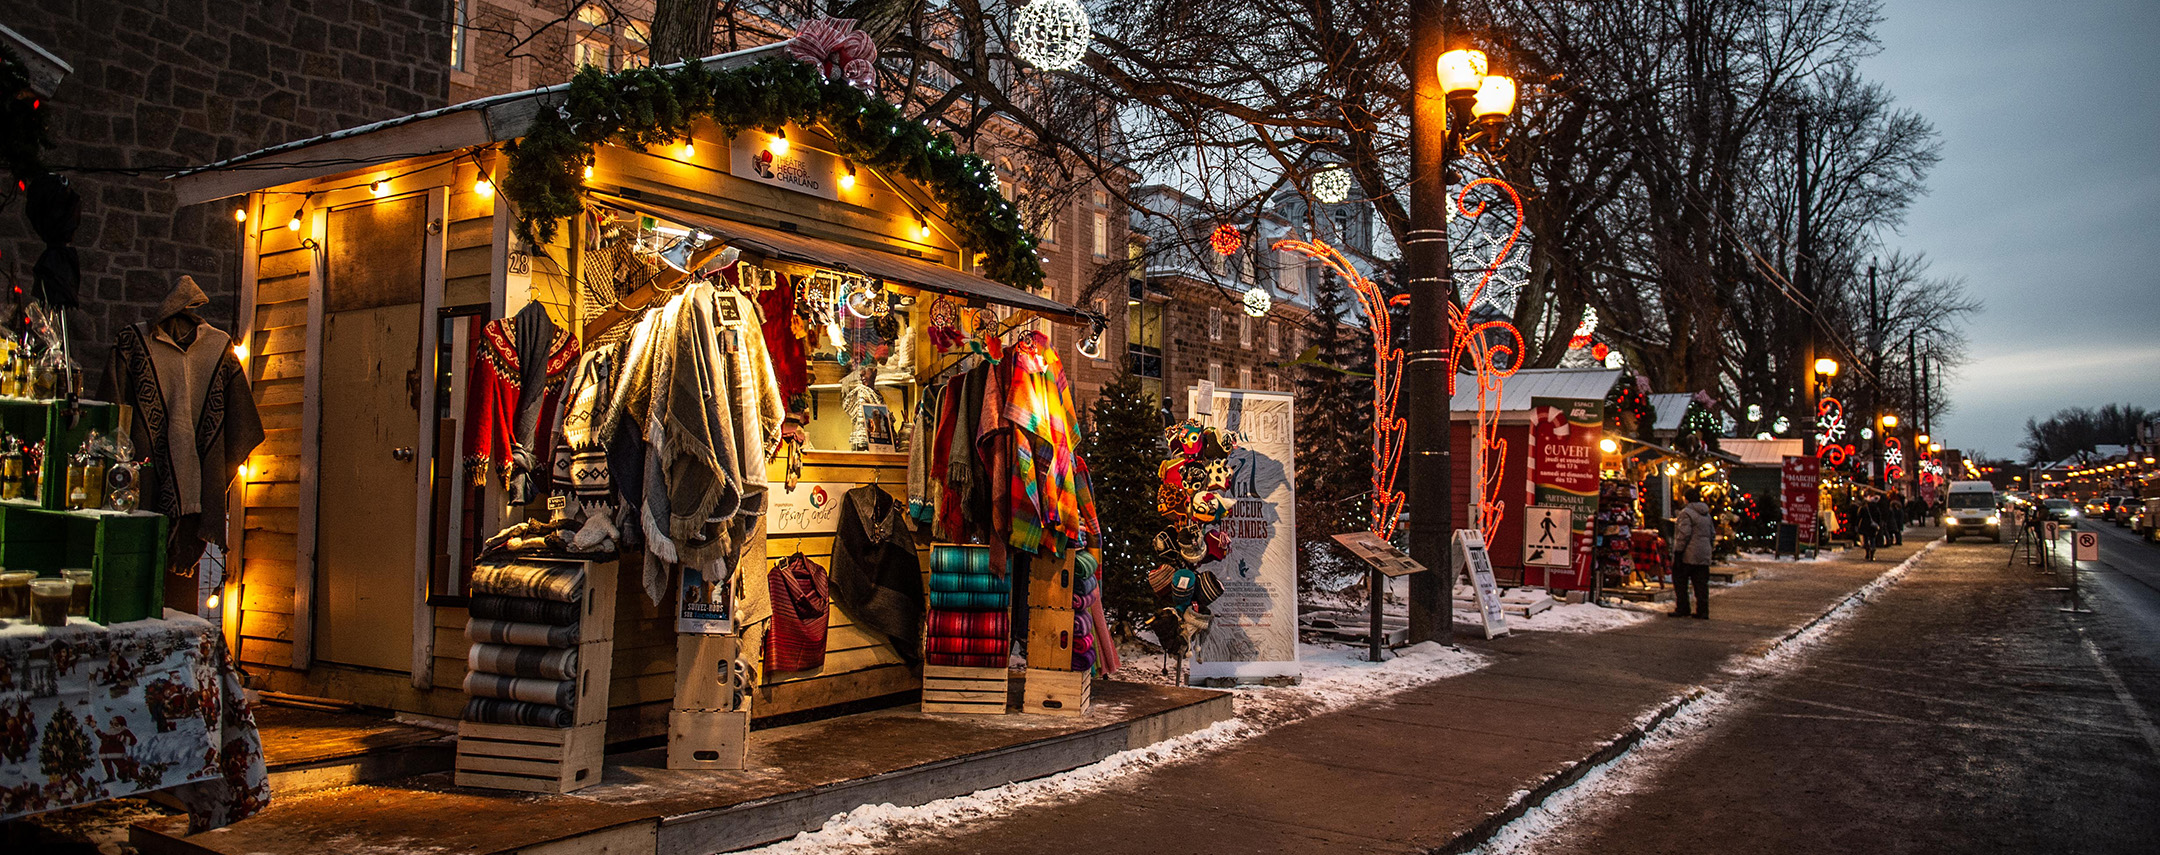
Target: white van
[1969, 508]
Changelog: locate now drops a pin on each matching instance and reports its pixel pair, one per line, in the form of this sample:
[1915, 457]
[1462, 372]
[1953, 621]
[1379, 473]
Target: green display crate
[63, 428]
[125, 553]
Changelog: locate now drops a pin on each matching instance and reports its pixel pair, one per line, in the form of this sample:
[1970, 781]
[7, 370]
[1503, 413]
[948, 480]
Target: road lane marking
[2145, 726]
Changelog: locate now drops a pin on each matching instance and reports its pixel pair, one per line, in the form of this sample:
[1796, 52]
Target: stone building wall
[164, 84]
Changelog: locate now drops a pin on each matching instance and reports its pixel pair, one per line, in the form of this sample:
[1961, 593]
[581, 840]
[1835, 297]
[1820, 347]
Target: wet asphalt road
[1959, 711]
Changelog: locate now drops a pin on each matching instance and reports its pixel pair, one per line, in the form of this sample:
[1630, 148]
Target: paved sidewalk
[1439, 766]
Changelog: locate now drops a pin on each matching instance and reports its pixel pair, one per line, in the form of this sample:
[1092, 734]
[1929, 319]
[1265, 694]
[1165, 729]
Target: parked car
[2119, 510]
[2147, 524]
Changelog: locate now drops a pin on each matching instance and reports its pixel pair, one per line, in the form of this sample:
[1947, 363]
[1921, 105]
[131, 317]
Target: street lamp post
[1459, 103]
[1883, 426]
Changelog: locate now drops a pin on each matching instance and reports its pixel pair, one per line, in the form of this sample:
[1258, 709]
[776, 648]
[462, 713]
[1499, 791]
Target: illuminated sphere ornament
[1331, 186]
[1613, 359]
[1225, 240]
[1052, 34]
[1258, 301]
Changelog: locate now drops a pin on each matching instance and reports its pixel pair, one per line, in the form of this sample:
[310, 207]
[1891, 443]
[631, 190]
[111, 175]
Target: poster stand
[1470, 552]
[1385, 562]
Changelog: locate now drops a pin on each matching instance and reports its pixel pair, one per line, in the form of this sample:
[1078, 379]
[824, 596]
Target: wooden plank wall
[276, 344]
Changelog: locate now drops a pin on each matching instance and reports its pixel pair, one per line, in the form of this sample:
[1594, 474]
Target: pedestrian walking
[1694, 542]
[1894, 525]
[1870, 525]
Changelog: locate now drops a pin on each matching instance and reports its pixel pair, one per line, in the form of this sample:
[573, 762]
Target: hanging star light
[1331, 186]
[1052, 34]
[1225, 240]
[1258, 301]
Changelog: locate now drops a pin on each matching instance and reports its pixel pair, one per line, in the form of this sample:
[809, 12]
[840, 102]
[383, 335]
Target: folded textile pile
[968, 625]
[522, 667]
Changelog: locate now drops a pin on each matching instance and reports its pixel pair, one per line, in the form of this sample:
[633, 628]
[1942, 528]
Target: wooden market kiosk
[366, 251]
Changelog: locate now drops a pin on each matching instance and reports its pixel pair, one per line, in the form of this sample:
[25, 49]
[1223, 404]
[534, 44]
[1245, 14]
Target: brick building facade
[163, 84]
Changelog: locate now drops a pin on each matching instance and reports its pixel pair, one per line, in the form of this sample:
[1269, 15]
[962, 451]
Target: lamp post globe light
[1457, 105]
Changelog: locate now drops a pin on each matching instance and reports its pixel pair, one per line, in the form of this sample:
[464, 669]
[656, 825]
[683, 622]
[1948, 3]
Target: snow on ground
[1336, 676]
[1577, 617]
[1593, 797]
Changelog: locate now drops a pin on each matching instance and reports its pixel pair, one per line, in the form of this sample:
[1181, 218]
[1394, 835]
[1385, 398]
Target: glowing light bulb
[1608, 446]
[380, 188]
[484, 187]
[243, 471]
[847, 179]
[213, 601]
[240, 352]
[689, 149]
[294, 223]
[239, 215]
[588, 172]
[922, 228]
[779, 144]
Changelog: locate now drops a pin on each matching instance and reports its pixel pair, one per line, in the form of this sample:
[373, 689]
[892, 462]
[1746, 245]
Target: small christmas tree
[1122, 453]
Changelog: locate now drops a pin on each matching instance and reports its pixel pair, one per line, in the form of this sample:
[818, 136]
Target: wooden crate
[1057, 692]
[708, 739]
[980, 691]
[554, 759]
[1050, 638]
[530, 759]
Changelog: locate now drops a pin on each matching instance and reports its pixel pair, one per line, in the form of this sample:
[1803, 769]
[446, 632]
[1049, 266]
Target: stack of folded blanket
[969, 624]
[522, 667]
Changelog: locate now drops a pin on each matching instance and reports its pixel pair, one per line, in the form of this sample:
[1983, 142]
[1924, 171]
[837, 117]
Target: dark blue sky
[2047, 201]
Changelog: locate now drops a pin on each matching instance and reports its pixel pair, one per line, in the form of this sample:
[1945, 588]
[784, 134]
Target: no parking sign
[2088, 546]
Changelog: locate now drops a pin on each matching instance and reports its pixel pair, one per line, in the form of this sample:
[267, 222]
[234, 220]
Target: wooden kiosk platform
[798, 777]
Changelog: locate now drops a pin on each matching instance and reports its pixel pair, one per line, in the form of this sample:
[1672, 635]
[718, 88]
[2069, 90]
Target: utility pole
[1912, 405]
[1875, 396]
[1426, 364]
[1804, 279]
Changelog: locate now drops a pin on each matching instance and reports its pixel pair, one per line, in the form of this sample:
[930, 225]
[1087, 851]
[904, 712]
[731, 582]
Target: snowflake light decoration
[1258, 301]
[1052, 34]
[1225, 240]
[1330, 186]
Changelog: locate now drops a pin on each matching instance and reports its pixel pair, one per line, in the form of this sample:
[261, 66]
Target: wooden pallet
[1057, 692]
[980, 691]
[554, 759]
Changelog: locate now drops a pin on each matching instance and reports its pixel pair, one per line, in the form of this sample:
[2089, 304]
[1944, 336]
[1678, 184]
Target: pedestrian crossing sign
[1546, 542]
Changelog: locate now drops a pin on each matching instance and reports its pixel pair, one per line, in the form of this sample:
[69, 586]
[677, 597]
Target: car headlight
[2070, 513]
[1949, 519]
[1994, 520]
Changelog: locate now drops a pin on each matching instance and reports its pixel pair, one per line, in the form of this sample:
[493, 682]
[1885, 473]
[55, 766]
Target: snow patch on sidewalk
[1577, 617]
[1336, 676]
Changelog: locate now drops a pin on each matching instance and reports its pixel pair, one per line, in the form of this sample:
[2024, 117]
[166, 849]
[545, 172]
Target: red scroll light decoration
[1388, 428]
[1495, 350]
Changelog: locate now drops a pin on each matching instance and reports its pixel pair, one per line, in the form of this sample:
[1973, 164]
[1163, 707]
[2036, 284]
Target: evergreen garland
[641, 107]
[22, 121]
[1700, 430]
[1632, 409]
[1122, 452]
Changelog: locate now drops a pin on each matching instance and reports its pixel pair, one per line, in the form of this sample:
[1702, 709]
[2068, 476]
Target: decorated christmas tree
[1122, 452]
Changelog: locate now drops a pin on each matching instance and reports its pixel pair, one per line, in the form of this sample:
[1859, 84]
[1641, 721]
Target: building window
[1274, 337]
[460, 13]
[1245, 268]
[609, 42]
[1214, 373]
[1214, 323]
[1143, 345]
[1244, 331]
[1102, 235]
[1102, 198]
[1291, 272]
[1217, 263]
[1244, 377]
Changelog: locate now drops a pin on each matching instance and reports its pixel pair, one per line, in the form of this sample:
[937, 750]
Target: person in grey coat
[1694, 541]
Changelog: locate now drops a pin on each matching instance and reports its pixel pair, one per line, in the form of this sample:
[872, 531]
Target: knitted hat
[1159, 579]
[1208, 589]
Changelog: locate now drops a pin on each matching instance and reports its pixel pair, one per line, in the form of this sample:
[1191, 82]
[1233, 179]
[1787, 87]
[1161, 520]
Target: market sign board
[812, 507]
[1564, 460]
[799, 168]
[1254, 631]
[1800, 481]
[1470, 553]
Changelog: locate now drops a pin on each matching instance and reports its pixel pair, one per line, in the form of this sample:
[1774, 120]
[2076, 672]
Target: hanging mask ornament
[838, 51]
[1052, 34]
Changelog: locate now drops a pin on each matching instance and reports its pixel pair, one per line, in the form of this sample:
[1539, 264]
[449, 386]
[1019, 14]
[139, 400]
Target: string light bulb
[239, 215]
[847, 179]
[380, 188]
[689, 148]
[779, 143]
[213, 601]
[588, 172]
[483, 186]
[922, 227]
[294, 223]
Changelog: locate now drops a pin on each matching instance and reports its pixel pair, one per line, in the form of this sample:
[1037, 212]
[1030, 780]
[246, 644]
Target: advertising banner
[1800, 479]
[1254, 632]
[796, 167]
[1564, 434]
